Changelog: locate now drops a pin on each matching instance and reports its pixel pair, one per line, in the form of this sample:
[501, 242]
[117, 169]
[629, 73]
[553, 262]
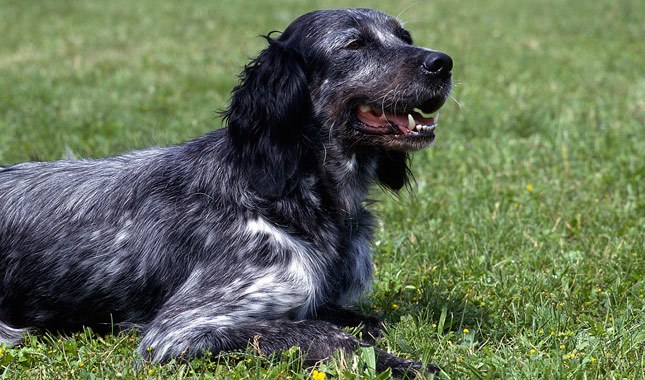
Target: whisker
[405, 9]
[456, 101]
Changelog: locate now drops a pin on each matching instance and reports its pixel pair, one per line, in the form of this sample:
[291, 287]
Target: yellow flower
[466, 331]
[315, 375]
[529, 188]
[81, 364]
[434, 325]
[531, 351]
[151, 371]
[395, 306]
[1, 352]
[592, 360]
[562, 347]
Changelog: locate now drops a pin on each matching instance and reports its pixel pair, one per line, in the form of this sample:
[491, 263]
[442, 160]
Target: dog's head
[363, 66]
[349, 74]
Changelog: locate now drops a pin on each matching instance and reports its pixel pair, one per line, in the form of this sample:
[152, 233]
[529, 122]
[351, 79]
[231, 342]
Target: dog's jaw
[407, 130]
[379, 122]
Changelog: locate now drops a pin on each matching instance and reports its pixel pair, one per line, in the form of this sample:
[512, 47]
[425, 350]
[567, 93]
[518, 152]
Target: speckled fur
[257, 232]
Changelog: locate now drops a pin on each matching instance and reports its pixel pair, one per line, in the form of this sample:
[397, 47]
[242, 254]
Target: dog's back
[78, 240]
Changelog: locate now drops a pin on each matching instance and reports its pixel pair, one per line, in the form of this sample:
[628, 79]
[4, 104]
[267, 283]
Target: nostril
[438, 63]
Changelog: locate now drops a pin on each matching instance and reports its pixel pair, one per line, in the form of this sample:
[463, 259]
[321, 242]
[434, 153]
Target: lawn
[519, 253]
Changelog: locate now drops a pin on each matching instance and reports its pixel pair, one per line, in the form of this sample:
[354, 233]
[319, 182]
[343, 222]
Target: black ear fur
[268, 119]
[392, 169]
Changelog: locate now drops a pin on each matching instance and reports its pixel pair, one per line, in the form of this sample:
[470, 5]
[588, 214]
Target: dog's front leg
[371, 328]
[317, 340]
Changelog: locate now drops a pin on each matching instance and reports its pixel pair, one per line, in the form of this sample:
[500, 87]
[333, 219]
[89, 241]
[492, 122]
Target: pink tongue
[401, 120]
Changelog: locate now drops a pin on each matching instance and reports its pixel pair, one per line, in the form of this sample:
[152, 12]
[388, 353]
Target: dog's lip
[380, 122]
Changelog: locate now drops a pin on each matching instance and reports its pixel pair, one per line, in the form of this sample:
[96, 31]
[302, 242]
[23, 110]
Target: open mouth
[412, 123]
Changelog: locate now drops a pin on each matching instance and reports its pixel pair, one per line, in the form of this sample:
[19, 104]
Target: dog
[257, 233]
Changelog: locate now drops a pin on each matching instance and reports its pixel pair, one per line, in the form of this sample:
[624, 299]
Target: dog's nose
[438, 64]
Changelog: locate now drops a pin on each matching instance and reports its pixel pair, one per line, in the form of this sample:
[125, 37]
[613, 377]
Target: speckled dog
[257, 232]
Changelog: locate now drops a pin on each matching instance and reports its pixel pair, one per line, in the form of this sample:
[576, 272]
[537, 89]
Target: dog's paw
[371, 330]
[410, 369]
[402, 368]
[432, 369]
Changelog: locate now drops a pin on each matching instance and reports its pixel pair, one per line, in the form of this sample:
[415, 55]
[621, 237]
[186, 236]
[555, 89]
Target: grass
[518, 254]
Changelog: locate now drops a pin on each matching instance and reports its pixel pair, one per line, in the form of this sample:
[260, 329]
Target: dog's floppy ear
[268, 119]
[392, 169]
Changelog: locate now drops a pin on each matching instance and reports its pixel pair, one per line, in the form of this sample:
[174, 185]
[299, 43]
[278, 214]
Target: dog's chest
[308, 271]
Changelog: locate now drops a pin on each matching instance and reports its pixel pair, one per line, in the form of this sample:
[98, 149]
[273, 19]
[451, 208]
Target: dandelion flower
[315, 375]
[466, 331]
[529, 188]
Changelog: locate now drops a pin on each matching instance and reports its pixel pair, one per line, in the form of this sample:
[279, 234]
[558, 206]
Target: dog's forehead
[362, 20]
[328, 26]
[356, 17]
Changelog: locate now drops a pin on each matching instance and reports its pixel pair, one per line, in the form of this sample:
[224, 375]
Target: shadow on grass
[436, 308]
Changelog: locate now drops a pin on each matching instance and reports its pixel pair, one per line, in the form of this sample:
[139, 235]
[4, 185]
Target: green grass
[519, 253]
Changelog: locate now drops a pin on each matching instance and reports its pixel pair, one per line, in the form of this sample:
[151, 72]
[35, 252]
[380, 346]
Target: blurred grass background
[519, 252]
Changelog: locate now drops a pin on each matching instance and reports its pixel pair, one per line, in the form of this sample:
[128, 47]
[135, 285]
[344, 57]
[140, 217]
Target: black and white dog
[257, 232]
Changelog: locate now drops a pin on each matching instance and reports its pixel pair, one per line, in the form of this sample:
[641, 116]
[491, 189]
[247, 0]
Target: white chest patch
[277, 236]
[298, 275]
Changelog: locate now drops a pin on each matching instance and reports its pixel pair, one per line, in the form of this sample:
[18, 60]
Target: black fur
[253, 234]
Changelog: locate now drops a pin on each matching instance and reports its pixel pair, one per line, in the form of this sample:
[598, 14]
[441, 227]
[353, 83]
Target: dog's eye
[405, 36]
[354, 45]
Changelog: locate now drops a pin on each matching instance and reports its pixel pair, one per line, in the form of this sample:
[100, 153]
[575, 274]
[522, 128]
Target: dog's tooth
[411, 122]
[425, 128]
[365, 108]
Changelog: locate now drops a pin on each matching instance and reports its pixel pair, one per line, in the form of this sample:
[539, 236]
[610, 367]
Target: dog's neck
[350, 174]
